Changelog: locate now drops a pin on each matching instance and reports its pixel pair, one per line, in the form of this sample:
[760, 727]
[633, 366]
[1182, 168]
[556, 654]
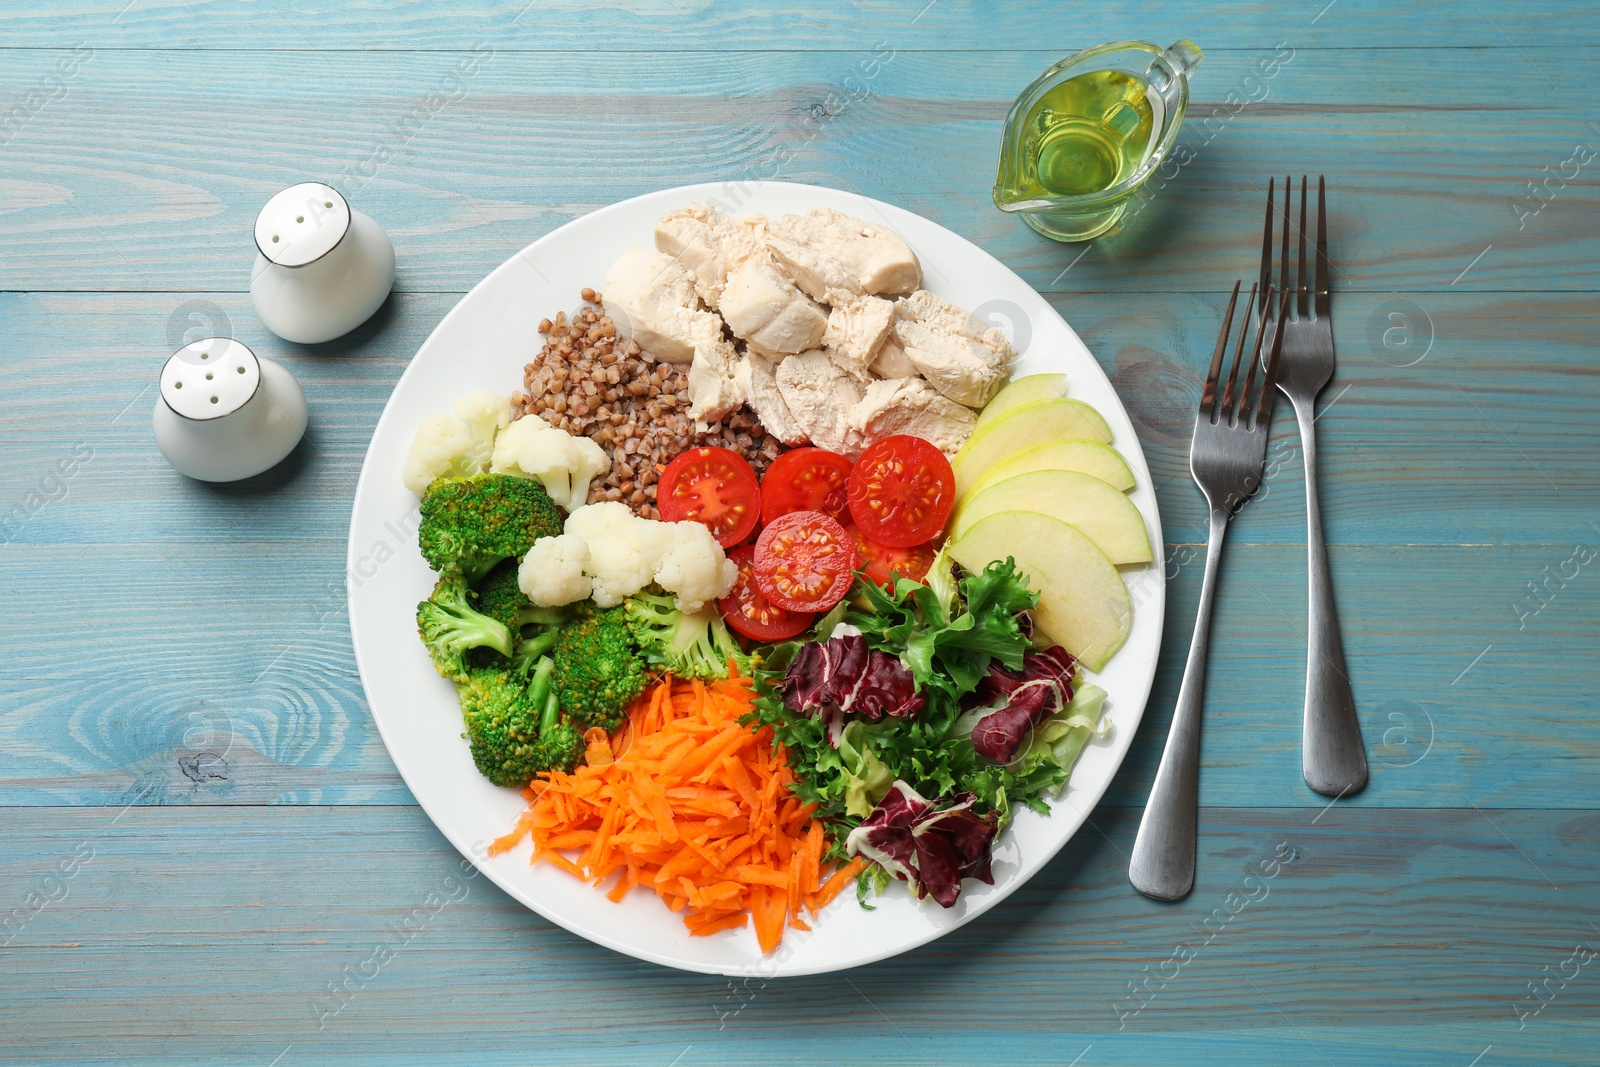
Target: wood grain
[721, 25]
[241, 651]
[201, 833]
[1400, 937]
[522, 144]
[1393, 437]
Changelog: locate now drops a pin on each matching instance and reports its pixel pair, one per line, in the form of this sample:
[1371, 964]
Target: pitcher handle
[1173, 66]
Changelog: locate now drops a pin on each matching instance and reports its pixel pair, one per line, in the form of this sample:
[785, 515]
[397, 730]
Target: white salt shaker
[323, 267]
[225, 413]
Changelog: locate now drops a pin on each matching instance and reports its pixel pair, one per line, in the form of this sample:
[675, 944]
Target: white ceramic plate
[483, 343]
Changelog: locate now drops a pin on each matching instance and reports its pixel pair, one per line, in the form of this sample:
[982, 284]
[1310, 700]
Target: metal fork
[1333, 758]
[1226, 457]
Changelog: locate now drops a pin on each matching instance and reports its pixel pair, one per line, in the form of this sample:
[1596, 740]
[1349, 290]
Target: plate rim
[765, 966]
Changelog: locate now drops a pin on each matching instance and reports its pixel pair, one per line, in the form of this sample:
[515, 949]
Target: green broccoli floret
[515, 729]
[690, 646]
[450, 628]
[471, 524]
[598, 670]
[531, 651]
[499, 596]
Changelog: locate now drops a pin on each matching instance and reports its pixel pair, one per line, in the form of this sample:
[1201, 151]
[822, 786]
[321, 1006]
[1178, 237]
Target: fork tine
[1270, 381]
[1266, 250]
[1231, 403]
[1302, 305]
[1208, 395]
[1322, 249]
[1283, 255]
[1262, 321]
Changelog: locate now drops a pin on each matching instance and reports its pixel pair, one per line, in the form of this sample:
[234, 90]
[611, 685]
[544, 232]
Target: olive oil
[1085, 135]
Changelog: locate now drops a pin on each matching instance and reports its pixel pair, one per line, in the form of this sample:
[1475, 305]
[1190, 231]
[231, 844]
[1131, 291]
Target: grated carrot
[599, 751]
[687, 801]
[830, 889]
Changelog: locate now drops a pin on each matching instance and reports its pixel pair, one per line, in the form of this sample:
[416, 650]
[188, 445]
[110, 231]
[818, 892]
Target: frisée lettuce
[883, 699]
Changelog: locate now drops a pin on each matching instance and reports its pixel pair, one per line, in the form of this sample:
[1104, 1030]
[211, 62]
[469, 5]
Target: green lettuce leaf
[867, 778]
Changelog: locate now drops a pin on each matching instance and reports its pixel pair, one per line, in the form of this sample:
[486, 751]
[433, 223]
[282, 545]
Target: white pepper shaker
[225, 413]
[323, 267]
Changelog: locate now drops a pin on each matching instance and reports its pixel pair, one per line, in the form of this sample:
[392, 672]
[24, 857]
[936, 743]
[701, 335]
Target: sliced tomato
[806, 479]
[749, 612]
[804, 561]
[715, 487]
[901, 491]
[880, 563]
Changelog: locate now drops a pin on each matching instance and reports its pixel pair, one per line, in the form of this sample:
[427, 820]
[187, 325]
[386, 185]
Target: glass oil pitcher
[1088, 132]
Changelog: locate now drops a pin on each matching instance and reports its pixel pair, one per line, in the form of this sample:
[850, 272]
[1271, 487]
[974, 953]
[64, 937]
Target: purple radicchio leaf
[841, 675]
[1021, 700]
[930, 848]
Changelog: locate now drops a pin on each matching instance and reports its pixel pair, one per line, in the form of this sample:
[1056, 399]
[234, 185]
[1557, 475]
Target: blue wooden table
[206, 855]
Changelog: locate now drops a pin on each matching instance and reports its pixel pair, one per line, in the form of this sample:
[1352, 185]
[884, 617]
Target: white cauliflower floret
[624, 550]
[509, 443]
[441, 447]
[551, 574]
[694, 567]
[608, 553]
[562, 463]
[487, 413]
[459, 445]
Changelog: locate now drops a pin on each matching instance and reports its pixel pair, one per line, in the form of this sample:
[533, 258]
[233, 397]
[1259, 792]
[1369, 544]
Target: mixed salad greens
[927, 705]
[911, 697]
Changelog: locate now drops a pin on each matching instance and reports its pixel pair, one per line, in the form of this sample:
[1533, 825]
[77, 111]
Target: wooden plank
[1377, 937]
[118, 688]
[464, 157]
[224, 675]
[174, 649]
[84, 386]
[1422, 381]
[1507, 380]
[722, 25]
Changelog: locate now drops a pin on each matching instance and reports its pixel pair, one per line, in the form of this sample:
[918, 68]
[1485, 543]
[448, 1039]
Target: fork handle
[1162, 865]
[1333, 759]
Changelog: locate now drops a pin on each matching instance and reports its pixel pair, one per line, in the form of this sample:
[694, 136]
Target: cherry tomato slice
[806, 479]
[715, 487]
[880, 563]
[750, 613]
[901, 491]
[804, 561]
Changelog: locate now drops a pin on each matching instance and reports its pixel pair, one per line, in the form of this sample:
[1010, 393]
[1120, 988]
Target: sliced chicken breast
[965, 359]
[762, 306]
[827, 249]
[820, 392]
[912, 406]
[709, 245]
[857, 326]
[757, 376]
[715, 384]
[892, 361]
[652, 300]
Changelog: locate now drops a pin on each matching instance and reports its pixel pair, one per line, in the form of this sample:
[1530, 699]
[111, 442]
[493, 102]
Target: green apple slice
[1086, 457]
[1083, 603]
[1024, 391]
[1024, 427]
[1100, 512]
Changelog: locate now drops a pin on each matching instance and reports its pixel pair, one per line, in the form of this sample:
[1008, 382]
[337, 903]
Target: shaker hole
[177, 385]
[208, 376]
[274, 238]
[205, 355]
[239, 369]
[213, 400]
[299, 218]
[327, 203]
